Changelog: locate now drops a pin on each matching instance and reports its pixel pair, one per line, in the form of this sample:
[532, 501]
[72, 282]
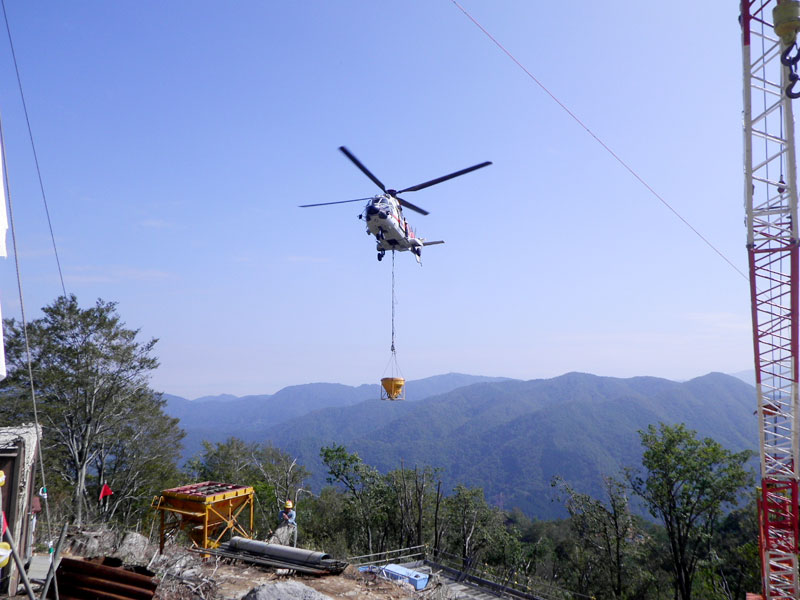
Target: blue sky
[177, 139]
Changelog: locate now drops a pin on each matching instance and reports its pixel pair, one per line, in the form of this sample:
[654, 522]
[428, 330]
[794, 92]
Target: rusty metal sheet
[88, 580]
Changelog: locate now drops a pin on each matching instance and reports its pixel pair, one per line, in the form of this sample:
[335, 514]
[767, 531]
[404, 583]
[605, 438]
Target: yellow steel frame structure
[206, 511]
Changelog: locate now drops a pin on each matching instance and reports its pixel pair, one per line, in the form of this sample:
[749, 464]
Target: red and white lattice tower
[772, 241]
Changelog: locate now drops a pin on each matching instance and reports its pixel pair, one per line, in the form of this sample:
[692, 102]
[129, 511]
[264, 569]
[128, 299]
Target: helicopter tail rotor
[416, 250]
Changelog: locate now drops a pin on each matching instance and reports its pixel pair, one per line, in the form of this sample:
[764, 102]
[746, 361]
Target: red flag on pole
[106, 491]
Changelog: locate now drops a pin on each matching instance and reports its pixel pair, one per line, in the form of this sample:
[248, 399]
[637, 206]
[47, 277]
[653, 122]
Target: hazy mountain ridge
[248, 417]
[512, 437]
[509, 436]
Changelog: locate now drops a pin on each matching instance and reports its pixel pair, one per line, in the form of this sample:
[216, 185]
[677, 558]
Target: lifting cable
[394, 301]
[599, 141]
[393, 364]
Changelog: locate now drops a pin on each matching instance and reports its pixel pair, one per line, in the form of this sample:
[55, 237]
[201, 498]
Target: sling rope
[392, 366]
[12, 226]
[393, 303]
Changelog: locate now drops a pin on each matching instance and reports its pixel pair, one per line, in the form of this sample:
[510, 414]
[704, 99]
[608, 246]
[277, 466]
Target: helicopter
[383, 213]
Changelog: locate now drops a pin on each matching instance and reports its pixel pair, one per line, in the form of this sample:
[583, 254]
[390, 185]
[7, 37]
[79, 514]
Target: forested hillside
[215, 418]
[511, 438]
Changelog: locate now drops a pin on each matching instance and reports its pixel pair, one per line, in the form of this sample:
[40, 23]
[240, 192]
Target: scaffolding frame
[206, 511]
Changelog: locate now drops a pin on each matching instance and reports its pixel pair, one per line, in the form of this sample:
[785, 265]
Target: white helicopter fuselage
[385, 220]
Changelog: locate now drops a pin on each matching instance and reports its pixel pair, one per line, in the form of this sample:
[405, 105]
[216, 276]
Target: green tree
[539, 539]
[733, 566]
[227, 462]
[281, 471]
[140, 461]
[508, 556]
[364, 485]
[414, 494]
[609, 533]
[472, 523]
[688, 484]
[328, 523]
[273, 474]
[91, 379]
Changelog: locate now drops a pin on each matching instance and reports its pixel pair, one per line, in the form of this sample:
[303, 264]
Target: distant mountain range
[509, 437]
[216, 418]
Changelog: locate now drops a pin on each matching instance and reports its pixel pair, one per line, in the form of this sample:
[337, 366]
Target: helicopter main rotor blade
[364, 169]
[338, 202]
[421, 186]
[408, 204]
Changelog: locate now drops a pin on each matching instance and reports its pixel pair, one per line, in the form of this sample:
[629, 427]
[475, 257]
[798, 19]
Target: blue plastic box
[415, 578]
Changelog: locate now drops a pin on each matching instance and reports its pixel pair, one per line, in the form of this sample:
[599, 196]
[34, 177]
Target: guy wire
[597, 138]
[33, 148]
[24, 322]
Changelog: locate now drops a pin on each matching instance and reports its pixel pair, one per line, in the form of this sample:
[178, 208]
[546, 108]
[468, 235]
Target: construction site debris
[185, 575]
[99, 541]
[133, 550]
[285, 590]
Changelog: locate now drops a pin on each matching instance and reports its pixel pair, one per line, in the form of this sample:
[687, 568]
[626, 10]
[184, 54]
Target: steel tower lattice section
[770, 191]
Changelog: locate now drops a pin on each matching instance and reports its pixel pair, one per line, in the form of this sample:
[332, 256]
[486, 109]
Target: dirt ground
[364, 585]
[185, 575]
[221, 581]
[233, 582]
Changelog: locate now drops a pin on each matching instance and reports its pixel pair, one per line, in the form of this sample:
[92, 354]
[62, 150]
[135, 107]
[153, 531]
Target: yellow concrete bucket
[393, 386]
